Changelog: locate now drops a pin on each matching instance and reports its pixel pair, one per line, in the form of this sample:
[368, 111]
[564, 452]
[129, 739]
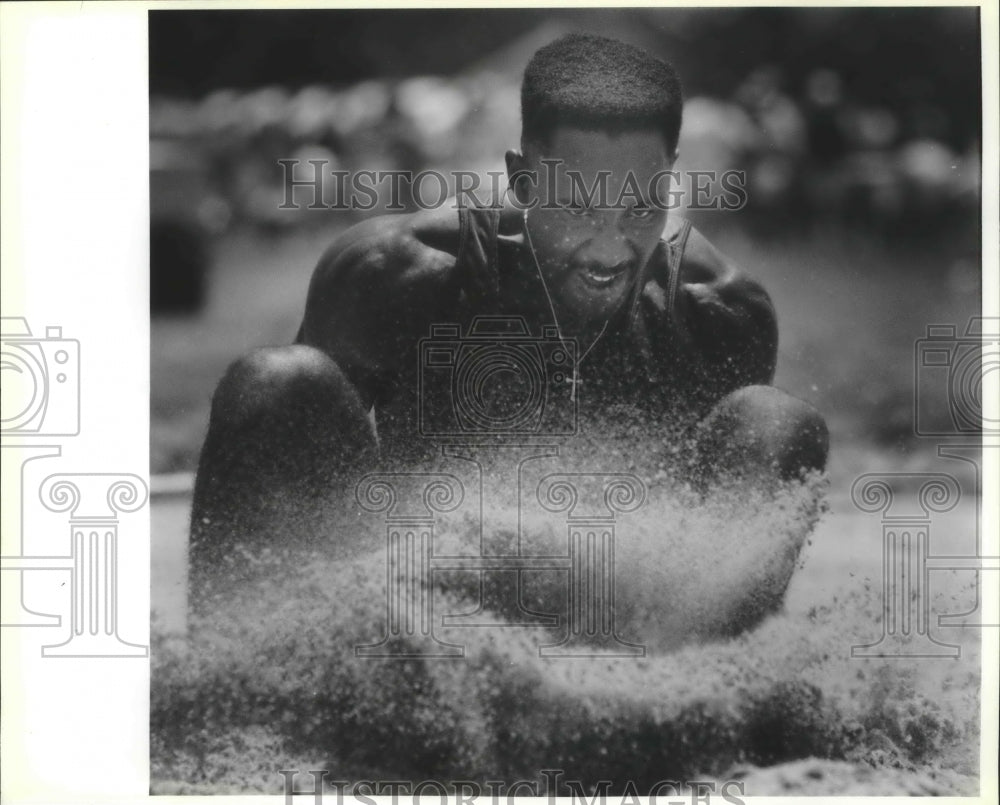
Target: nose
[608, 248]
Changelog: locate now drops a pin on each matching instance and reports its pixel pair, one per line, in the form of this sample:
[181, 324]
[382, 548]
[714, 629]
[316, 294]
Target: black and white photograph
[583, 402]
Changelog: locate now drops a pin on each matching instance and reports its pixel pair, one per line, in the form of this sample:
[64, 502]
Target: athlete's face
[590, 250]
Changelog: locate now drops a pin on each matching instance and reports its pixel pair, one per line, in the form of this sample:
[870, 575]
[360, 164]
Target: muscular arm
[372, 295]
[728, 319]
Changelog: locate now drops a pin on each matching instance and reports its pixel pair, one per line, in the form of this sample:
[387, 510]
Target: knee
[770, 426]
[280, 381]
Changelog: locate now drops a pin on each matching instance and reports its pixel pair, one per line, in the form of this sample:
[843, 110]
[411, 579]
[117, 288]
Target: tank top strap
[477, 264]
[676, 244]
[476, 261]
[668, 258]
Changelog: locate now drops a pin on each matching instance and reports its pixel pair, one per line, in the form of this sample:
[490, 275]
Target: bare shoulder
[707, 271]
[378, 281]
[704, 263]
[729, 317]
[392, 248]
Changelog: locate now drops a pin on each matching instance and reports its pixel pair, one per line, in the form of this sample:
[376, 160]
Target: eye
[641, 213]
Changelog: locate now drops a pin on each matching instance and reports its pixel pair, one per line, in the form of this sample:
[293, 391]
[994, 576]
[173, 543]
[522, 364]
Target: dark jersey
[404, 304]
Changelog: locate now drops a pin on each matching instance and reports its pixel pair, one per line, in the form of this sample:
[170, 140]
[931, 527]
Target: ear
[517, 165]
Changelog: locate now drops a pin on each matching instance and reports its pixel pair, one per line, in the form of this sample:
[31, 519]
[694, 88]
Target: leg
[760, 434]
[288, 435]
[757, 439]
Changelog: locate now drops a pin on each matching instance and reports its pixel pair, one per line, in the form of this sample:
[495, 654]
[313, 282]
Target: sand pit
[270, 678]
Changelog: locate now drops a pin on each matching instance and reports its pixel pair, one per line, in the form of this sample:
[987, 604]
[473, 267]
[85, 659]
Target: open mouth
[603, 277]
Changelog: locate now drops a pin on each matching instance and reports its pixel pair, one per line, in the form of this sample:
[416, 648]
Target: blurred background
[858, 130]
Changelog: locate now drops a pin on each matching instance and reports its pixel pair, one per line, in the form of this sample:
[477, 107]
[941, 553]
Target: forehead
[642, 151]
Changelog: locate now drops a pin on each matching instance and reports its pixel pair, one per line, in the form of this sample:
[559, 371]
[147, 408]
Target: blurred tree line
[863, 117]
[918, 62]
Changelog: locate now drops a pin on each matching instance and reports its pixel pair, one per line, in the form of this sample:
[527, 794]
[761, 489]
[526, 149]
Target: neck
[585, 331]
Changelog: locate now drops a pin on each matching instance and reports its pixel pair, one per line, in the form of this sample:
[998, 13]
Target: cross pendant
[574, 381]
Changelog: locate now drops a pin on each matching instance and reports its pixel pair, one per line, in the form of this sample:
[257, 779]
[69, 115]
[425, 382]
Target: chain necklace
[575, 380]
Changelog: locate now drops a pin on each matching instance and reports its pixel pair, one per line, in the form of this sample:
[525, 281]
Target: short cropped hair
[593, 82]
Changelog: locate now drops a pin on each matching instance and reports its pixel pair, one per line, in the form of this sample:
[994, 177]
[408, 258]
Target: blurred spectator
[823, 109]
[185, 214]
[777, 115]
[782, 143]
[434, 107]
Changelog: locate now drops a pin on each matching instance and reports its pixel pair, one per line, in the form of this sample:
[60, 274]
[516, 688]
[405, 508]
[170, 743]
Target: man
[668, 333]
